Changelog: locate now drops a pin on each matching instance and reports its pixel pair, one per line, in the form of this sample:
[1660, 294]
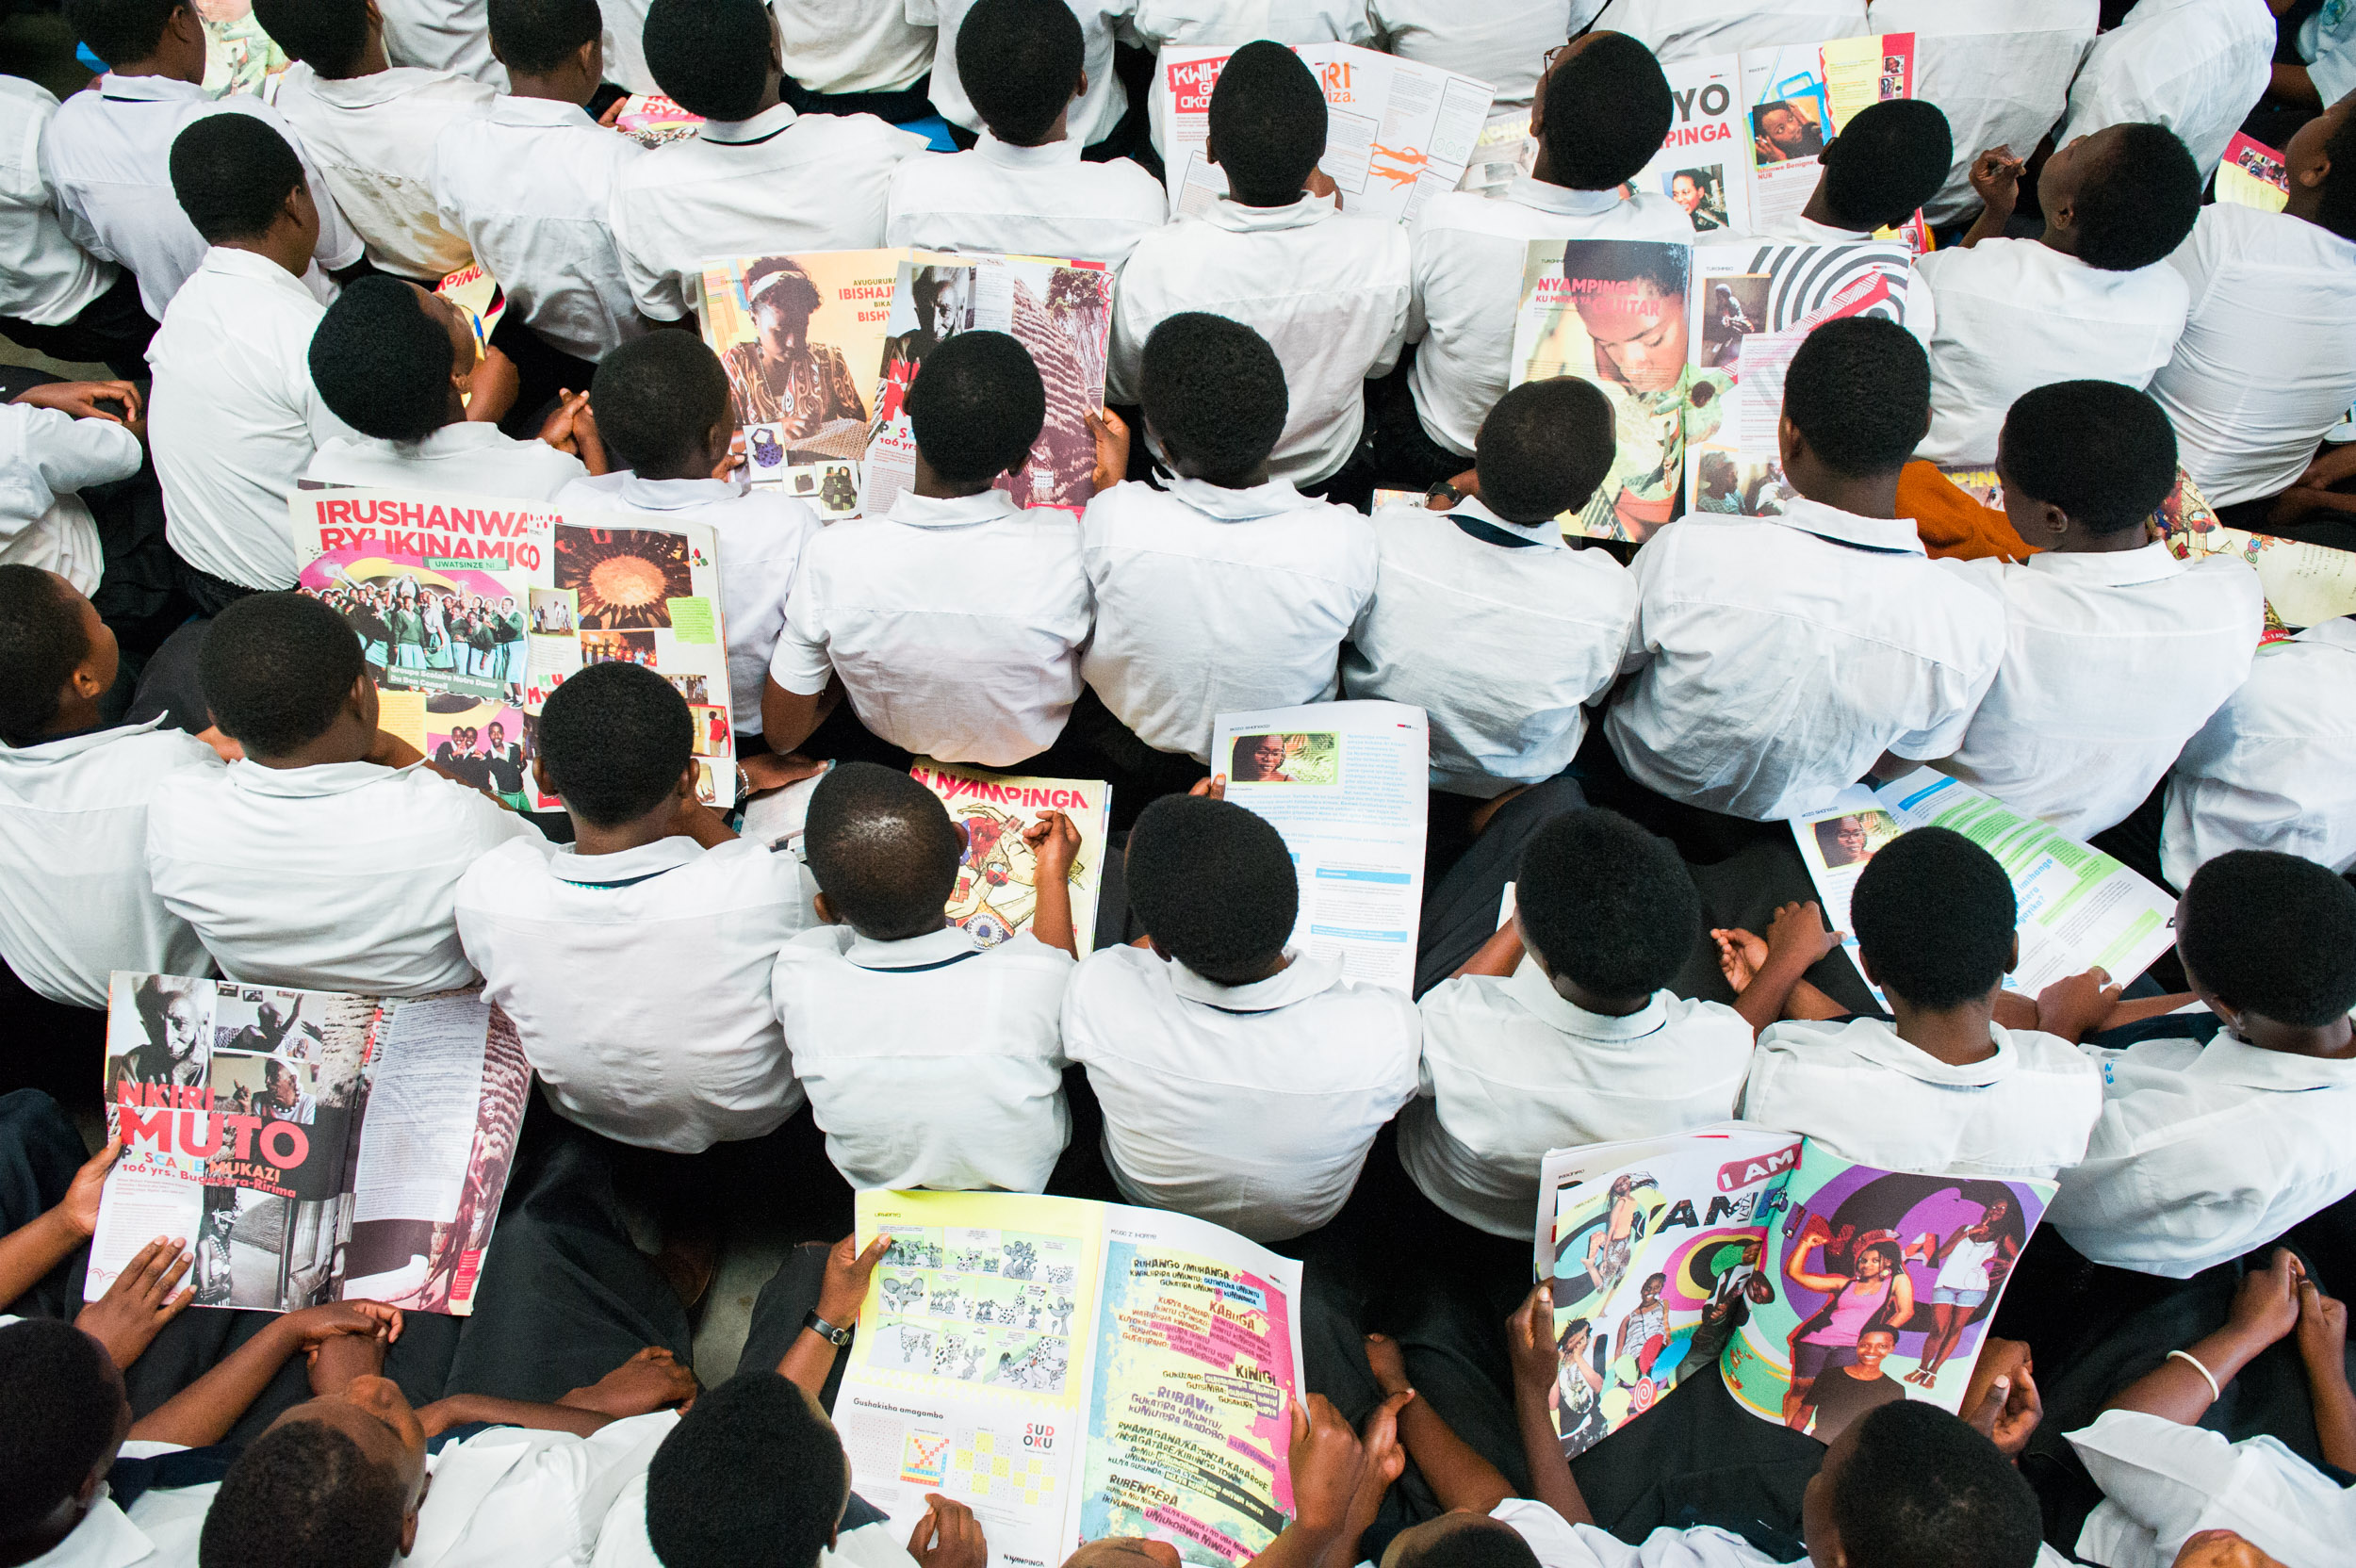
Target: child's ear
[540, 777]
[687, 782]
[826, 912]
[2014, 962]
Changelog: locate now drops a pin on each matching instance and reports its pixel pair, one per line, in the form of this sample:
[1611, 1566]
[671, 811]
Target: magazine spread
[312, 1146]
[1798, 97]
[1705, 166]
[2253, 175]
[650, 119]
[997, 892]
[1072, 1370]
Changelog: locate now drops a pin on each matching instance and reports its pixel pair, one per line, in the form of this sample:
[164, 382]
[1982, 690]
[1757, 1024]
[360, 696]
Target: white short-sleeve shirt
[831, 47]
[2164, 1482]
[47, 458]
[443, 35]
[1502, 42]
[472, 457]
[1157, 24]
[1690, 29]
[1025, 202]
[45, 277]
[373, 137]
[1100, 108]
[2198, 67]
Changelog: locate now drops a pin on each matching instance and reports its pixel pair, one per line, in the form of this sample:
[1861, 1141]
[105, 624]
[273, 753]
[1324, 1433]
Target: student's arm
[2323, 1347]
[2265, 1309]
[2072, 1008]
[573, 427]
[2294, 84]
[28, 1252]
[702, 823]
[1996, 180]
[1054, 841]
[203, 1413]
[1460, 1476]
[2001, 1401]
[1795, 940]
[650, 1381]
[810, 1357]
[140, 1301]
[1741, 957]
[1529, 1345]
[1326, 1461]
[1500, 955]
[788, 718]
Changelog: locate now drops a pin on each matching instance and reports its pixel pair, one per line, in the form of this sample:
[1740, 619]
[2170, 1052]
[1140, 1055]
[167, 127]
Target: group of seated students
[2166, 1381]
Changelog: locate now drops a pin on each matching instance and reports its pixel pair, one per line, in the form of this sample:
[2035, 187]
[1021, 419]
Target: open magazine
[997, 891]
[311, 1146]
[650, 119]
[1797, 98]
[1073, 1370]
[1820, 1288]
[2253, 175]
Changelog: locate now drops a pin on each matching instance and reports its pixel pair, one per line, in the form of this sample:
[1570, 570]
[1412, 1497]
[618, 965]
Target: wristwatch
[828, 1331]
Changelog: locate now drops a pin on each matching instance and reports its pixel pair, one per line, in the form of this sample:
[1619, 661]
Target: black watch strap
[828, 1331]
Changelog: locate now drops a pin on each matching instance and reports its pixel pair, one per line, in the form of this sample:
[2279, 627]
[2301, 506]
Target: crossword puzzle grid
[983, 1472]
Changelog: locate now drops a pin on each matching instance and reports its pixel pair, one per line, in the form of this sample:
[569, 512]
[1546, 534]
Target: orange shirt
[1952, 524]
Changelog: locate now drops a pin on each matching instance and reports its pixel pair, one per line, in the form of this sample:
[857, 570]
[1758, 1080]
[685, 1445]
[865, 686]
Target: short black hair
[1923, 1490]
[1608, 904]
[2102, 453]
[2336, 209]
[2272, 933]
[1608, 110]
[1887, 160]
[2133, 207]
[381, 362]
[1019, 60]
[329, 35]
[537, 36]
[1935, 916]
[1214, 391]
[59, 1400]
[1267, 115]
[232, 175]
[1545, 448]
[275, 669]
[882, 849]
[710, 56]
[615, 740]
[975, 406]
[1860, 391]
[42, 642]
[121, 32]
[303, 1495]
[749, 1474]
[1213, 885]
[658, 399]
[1489, 1543]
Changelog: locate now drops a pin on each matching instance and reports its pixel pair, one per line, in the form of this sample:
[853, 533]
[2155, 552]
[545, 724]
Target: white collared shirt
[1872, 1099]
[108, 155]
[1468, 252]
[471, 457]
[1092, 117]
[47, 457]
[2275, 768]
[773, 184]
[161, 1528]
[2015, 314]
[76, 903]
[2112, 662]
[1213, 601]
[2204, 1153]
[523, 1497]
[2267, 361]
[1251, 1107]
[1502, 645]
[875, 47]
[2164, 1482]
[1502, 42]
[1025, 202]
[595, 956]
[933, 1062]
[531, 188]
[761, 536]
[1158, 25]
[444, 35]
[374, 138]
[2198, 67]
[1690, 29]
[1778, 657]
[45, 277]
[1558, 1544]
[1327, 289]
[235, 419]
[956, 625]
[337, 878]
[622, 1543]
[1510, 1070]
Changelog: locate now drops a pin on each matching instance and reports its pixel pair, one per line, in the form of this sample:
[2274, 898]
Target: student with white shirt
[2115, 653]
[1102, 107]
[327, 859]
[1242, 1080]
[2196, 67]
[56, 441]
[1158, 25]
[373, 125]
[401, 366]
[1690, 30]
[756, 178]
[930, 1060]
[1887, 162]
[852, 59]
[55, 298]
[954, 623]
[1777, 659]
[1503, 42]
[2090, 298]
[1023, 189]
[446, 35]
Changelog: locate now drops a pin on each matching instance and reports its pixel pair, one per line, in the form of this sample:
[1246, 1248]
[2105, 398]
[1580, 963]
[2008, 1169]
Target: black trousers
[40, 1152]
[112, 330]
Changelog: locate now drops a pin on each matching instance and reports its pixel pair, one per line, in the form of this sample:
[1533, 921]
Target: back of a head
[1608, 904]
[60, 1399]
[1608, 112]
[1545, 448]
[1019, 60]
[1887, 162]
[381, 362]
[1214, 391]
[2133, 207]
[1268, 118]
[615, 740]
[232, 175]
[2273, 935]
[42, 642]
[275, 669]
[303, 1495]
[1934, 916]
[2336, 211]
[1213, 884]
[1489, 1543]
[711, 57]
[1923, 1490]
[329, 35]
[1860, 391]
[534, 36]
[883, 850]
[749, 1476]
[657, 398]
[975, 406]
[121, 32]
[2102, 453]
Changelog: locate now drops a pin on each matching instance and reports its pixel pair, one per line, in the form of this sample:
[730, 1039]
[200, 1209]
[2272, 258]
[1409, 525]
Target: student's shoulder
[508, 874]
[1700, 1023]
[1023, 952]
[1112, 975]
[2040, 1053]
[813, 951]
[1129, 503]
[1832, 1043]
[746, 871]
[858, 134]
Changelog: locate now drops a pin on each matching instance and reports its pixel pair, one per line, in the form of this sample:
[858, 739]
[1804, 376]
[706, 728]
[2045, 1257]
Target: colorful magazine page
[997, 882]
[1797, 97]
[475, 292]
[312, 1146]
[650, 119]
[1502, 153]
[2253, 175]
[239, 58]
[1705, 165]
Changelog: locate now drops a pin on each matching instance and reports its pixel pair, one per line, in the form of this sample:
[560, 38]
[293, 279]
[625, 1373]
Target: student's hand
[1326, 1461]
[140, 1301]
[1319, 183]
[2266, 1306]
[848, 1270]
[1389, 1366]
[1741, 956]
[2071, 1007]
[2221, 1549]
[2001, 1401]
[88, 399]
[1213, 788]
[1385, 1461]
[1799, 929]
[613, 113]
[1466, 484]
[223, 747]
[1529, 1343]
[391, 751]
[2322, 1330]
[79, 1207]
[336, 1361]
[948, 1536]
[573, 427]
[1996, 179]
[2331, 465]
[314, 1326]
[726, 468]
[1056, 843]
[2012, 1010]
[650, 1381]
[1112, 448]
[492, 389]
[773, 771]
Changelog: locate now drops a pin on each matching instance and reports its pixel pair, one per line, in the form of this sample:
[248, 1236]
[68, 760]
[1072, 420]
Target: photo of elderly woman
[163, 1038]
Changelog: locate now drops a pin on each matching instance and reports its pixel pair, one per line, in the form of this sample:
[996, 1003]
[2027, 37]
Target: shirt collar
[1529, 985]
[509, 109]
[747, 133]
[106, 1538]
[459, 438]
[1895, 535]
[929, 950]
[73, 745]
[146, 90]
[1549, 533]
[624, 867]
[672, 495]
[372, 90]
[2339, 633]
[1229, 214]
[1303, 978]
[2109, 568]
[226, 262]
[1007, 155]
[1548, 197]
[322, 779]
[952, 510]
[1881, 1041]
[2230, 1059]
[1238, 506]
